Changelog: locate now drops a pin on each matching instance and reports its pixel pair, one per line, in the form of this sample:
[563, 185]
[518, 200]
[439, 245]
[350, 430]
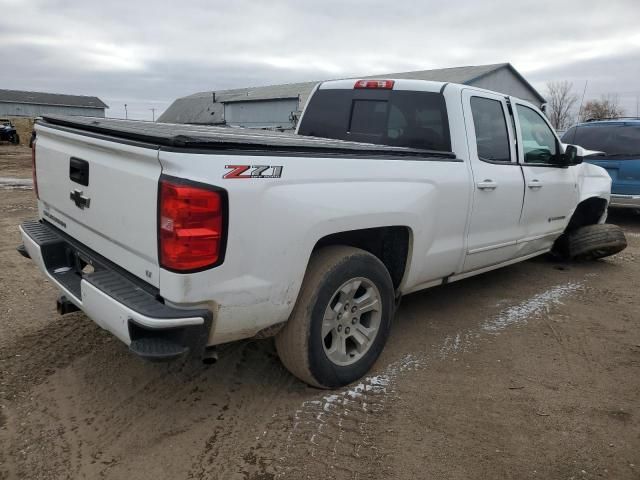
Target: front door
[494, 227]
[551, 191]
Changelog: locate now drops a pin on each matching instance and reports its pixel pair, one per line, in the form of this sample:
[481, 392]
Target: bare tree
[561, 103]
[607, 107]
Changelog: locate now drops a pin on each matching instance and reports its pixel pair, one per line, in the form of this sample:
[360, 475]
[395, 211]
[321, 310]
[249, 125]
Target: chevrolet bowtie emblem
[79, 199]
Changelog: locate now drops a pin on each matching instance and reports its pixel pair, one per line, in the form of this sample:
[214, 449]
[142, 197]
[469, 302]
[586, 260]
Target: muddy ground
[532, 371]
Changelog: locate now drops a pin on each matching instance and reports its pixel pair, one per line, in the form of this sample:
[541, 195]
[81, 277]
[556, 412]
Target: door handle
[487, 184]
[533, 184]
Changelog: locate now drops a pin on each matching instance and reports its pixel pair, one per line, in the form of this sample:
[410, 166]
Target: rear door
[102, 193]
[551, 192]
[494, 228]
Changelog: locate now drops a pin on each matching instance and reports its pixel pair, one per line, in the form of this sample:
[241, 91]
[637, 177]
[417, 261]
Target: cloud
[613, 74]
[147, 52]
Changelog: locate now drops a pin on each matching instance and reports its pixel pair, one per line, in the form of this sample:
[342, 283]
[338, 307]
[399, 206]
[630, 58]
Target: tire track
[338, 433]
[240, 434]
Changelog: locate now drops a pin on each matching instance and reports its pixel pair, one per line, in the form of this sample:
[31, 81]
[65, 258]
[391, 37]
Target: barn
[278, 106]
[18, 103]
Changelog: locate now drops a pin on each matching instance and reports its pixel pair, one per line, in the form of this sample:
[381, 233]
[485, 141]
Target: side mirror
[572, 155]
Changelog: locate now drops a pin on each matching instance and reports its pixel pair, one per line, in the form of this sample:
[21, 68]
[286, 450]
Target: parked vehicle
[8, 132]
[177, 238]
[619, 143]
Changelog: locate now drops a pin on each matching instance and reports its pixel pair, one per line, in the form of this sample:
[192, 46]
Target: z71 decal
[253, 171]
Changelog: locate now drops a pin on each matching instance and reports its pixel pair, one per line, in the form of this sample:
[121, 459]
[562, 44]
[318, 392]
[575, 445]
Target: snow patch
[371, 385]
[458, 343]
[536, 305]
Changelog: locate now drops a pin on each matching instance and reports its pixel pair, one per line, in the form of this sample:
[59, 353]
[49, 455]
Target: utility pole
[582, 99]
[126, 114]
[153, 114]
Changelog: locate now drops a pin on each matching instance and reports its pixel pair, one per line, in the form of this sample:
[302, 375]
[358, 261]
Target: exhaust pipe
[64, 305]
[210, 356]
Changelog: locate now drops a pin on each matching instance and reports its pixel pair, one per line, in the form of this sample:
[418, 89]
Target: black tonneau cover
[205, 137]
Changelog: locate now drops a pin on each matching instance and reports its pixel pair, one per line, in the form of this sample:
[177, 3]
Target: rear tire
[15, 139]
[341, 320]
[595, 241]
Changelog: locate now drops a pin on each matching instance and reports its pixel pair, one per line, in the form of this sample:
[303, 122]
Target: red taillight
[33, 169]
[380, 84]
[190, 225]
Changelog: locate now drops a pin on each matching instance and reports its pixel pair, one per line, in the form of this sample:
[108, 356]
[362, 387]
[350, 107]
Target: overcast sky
[148, 52]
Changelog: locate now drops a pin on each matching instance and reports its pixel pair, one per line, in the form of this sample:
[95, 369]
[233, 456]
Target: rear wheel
[341, 320]
[15, 138]
[594, 241]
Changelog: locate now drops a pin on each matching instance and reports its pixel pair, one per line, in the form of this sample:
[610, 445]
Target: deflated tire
[595, 241]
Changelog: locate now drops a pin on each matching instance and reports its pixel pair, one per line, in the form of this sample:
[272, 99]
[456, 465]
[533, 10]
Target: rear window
[490, 124]
[614, 139]
[386, 117]
[369, 117]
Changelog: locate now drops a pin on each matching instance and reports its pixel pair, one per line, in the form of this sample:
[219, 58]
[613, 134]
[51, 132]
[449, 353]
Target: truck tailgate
[102, 193]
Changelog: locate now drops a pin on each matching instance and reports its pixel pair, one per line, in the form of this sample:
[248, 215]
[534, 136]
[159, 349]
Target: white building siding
[261, 113]
[33, 110]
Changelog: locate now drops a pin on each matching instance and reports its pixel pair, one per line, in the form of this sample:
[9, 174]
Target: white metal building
[276, 106]
[18, 103]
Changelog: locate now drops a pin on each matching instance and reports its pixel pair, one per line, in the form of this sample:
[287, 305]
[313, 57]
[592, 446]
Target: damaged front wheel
[591, 242]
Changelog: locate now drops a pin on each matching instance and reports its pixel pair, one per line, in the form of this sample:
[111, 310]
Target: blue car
[619, 139]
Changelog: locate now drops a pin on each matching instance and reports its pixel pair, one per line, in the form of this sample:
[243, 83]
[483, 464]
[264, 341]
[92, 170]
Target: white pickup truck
[177, 238]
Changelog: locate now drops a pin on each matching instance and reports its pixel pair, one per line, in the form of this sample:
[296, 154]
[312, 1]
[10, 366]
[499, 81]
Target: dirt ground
[532, 371]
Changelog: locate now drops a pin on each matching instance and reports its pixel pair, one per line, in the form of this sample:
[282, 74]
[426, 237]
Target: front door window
[538, 141]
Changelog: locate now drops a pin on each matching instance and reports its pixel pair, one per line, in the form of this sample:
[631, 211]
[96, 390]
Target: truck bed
[169, 136]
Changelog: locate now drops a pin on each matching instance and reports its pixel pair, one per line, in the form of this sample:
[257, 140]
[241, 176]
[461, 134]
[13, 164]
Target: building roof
[191, 109]
[55, 99]
[454, 74]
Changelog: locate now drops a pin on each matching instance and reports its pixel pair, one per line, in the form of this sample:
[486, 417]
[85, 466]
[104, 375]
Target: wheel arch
[390, 244]
[590, 211]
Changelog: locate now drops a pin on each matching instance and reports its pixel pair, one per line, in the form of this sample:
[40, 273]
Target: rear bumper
[113, 298]
[624, 201]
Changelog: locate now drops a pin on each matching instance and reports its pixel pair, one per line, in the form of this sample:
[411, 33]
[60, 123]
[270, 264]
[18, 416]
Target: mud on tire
[304, 346]
[594, 241]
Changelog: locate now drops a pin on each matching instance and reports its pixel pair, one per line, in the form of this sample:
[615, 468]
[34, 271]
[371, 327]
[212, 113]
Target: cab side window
[492, 136]
[538, 141]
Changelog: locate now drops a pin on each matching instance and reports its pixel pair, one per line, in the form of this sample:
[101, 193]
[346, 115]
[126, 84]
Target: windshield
[614, 139]
[387, 117]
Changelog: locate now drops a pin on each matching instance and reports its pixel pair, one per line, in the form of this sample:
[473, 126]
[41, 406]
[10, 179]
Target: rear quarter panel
[274, 225]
